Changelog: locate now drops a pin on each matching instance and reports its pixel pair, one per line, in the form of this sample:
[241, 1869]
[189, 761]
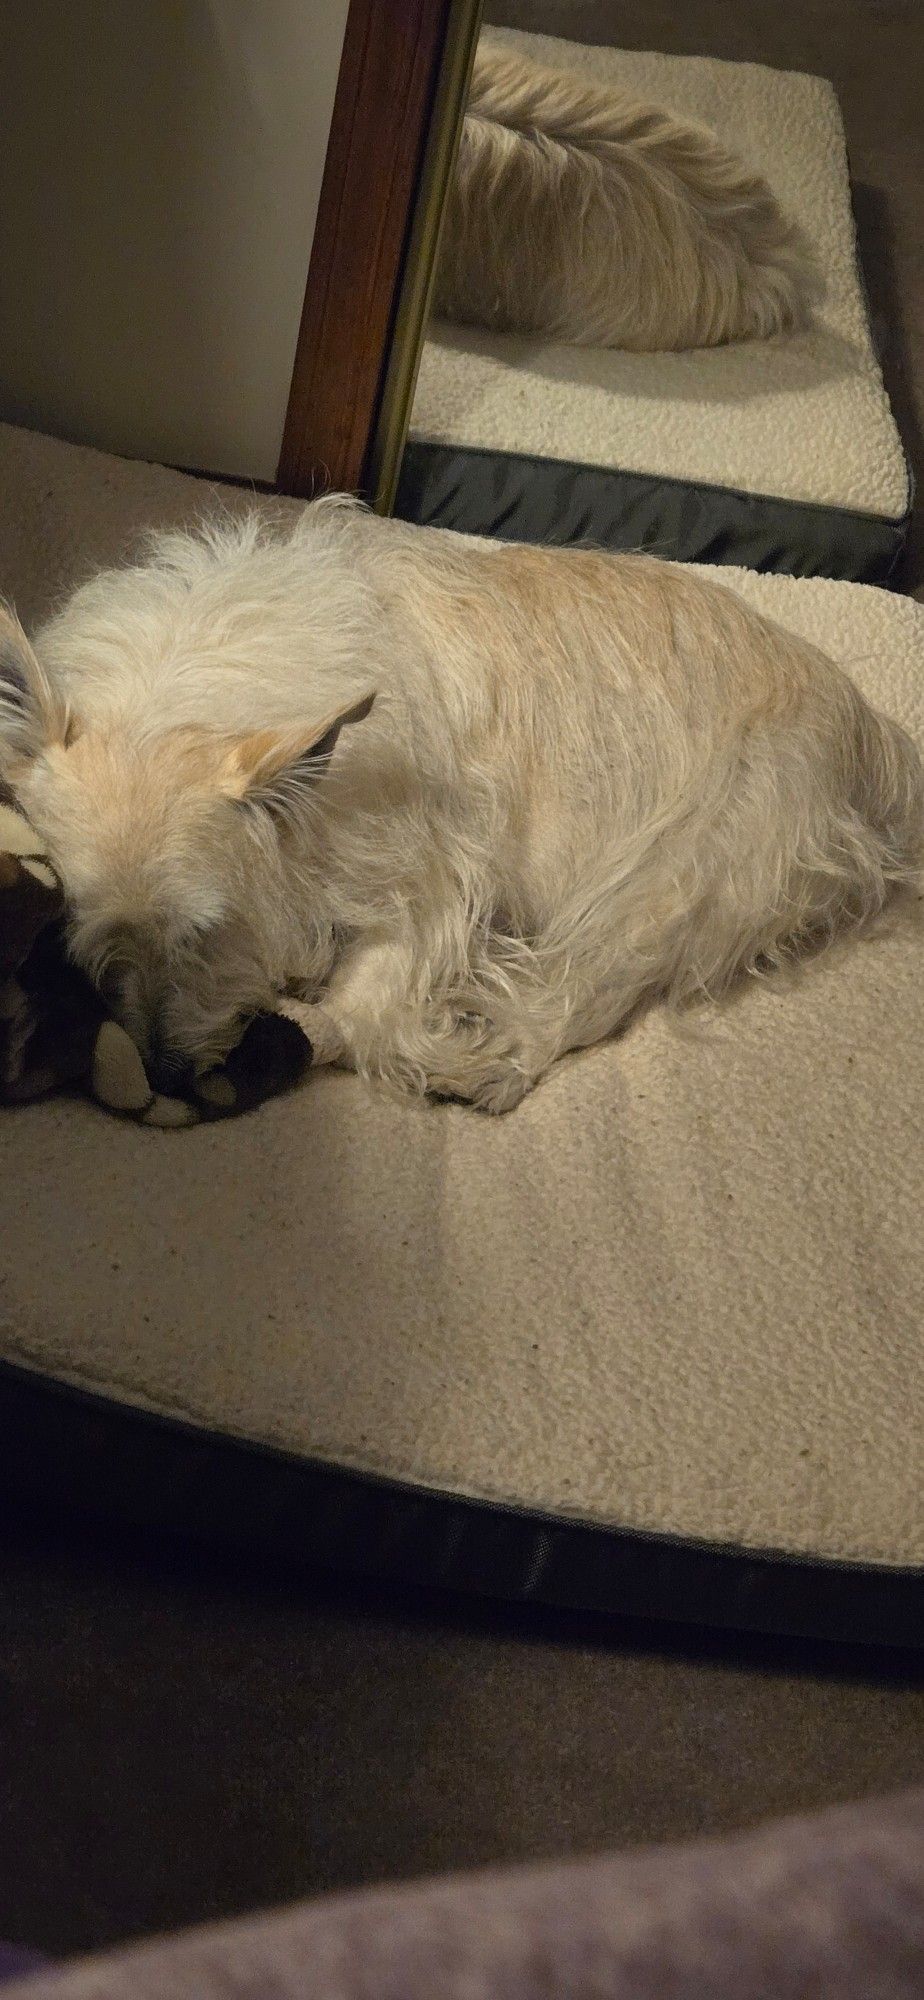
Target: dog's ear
[30, 713]
[271, 766]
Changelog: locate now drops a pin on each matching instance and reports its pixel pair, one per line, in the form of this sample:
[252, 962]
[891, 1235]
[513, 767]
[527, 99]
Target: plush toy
[54, 1028]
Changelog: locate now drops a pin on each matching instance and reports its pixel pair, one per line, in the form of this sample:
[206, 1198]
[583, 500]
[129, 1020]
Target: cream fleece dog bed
[652, 1343]
[781, 453]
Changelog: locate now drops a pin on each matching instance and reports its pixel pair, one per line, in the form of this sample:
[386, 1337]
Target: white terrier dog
[579, 213]
[472, 802]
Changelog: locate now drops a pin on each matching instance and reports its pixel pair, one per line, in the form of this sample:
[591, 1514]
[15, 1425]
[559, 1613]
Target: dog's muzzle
[169, 1072]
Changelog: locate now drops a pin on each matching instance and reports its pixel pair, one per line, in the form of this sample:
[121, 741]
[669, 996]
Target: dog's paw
[500, 1089]
[317, 1025]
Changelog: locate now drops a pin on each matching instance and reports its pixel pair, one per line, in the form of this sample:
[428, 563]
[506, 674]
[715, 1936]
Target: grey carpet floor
[183, 1736]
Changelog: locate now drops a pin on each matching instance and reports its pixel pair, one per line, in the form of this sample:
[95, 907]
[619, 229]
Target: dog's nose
[169, 1072]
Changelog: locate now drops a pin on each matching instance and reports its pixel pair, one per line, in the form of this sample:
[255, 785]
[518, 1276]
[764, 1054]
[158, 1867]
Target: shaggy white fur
[580, 213]
[565, 783]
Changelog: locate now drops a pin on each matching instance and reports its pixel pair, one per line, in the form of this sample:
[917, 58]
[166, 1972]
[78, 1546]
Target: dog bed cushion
[780, 453]
[652, 1343]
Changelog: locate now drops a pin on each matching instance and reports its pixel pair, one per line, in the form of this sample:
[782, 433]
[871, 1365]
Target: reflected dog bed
[782, 454]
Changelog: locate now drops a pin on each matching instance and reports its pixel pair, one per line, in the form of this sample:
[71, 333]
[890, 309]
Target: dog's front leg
[371, 1018]
[366, 991]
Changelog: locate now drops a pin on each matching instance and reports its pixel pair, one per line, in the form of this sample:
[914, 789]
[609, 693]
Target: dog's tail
[888, 797]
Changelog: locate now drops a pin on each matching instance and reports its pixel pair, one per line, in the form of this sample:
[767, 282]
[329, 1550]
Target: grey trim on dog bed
[518, 497]
[85, 1452]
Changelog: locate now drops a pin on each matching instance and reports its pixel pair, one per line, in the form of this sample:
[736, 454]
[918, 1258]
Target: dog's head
[172, 851]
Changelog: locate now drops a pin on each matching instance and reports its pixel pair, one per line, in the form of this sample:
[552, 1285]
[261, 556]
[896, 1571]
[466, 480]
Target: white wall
[160, 166]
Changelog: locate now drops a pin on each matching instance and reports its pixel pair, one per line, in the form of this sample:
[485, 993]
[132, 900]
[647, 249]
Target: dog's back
[584, 779]
[580, 213]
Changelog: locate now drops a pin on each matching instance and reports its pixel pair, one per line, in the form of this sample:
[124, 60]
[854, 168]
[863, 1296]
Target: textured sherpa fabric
[802, 417]
[831, 1905]
[679, 1290]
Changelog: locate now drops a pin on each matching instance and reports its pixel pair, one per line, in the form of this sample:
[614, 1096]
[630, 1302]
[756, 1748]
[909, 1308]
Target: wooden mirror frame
[401, 92]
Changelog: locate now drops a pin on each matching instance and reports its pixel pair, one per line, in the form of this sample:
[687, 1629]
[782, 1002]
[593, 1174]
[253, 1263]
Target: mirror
[648, 324]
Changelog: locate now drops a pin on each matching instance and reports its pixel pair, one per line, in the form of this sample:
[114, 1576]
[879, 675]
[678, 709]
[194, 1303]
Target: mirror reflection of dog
[577, 212]
[469, 802]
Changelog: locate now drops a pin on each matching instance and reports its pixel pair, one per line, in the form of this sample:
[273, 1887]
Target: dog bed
[650, 1344]
[782, 454]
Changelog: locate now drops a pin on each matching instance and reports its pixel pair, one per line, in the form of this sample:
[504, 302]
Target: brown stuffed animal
[54, 1028]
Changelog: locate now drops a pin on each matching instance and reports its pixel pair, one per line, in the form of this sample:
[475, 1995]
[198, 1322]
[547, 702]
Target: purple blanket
[832, 1905]
[16, 1962]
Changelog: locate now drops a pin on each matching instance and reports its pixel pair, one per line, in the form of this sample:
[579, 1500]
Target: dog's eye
[196, 931]
[110, 980]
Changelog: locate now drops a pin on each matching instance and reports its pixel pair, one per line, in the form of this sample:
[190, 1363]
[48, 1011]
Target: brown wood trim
[388, 77]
